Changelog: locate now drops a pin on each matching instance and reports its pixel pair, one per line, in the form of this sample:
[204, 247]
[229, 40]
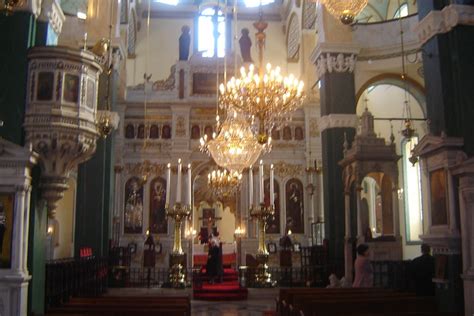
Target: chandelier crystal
[263, 95]
[224, 183]
[235, 147]
[345, 10]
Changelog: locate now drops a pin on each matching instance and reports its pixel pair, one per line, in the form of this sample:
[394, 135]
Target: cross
[211, 222]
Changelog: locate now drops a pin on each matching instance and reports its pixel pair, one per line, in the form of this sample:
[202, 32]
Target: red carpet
[228, 289]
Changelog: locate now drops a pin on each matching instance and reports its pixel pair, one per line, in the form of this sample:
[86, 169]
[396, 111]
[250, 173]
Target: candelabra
[179, 212]
[262, 214]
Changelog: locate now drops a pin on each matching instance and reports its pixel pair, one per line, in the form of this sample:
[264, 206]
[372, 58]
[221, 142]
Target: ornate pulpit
[370, 157]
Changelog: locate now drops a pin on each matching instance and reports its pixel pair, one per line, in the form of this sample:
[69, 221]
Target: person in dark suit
[422, 271]
[214, 261]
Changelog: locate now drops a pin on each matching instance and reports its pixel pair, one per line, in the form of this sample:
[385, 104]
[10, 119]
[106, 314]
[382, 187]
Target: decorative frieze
[283, 169]
[335, 62]
[439, 22]
[338, 121]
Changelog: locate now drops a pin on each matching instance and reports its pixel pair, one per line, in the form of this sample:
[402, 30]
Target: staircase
[228, 290]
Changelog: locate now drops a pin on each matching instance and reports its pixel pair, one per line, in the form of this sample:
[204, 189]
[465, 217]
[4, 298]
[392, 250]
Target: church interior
[200, 157]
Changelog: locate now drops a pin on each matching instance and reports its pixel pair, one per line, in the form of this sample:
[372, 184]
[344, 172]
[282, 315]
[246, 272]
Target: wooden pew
[118, 306]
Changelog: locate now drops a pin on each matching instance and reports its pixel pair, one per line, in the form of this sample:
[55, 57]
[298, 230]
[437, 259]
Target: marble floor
[258, 302]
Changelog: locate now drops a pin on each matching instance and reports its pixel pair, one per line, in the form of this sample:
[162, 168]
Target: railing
[70, 277]
[392, 275]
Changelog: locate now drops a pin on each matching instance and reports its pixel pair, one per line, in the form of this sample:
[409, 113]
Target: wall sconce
[81, 15]
[239, 232]
[190, 233]
[50, 230]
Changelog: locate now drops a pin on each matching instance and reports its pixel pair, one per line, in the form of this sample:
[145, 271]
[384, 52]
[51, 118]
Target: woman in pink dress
[364, 275]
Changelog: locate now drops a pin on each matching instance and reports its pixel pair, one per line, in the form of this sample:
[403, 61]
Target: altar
[229, 254]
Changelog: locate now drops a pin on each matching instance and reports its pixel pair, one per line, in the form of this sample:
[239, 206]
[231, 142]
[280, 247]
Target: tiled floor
[259, 301]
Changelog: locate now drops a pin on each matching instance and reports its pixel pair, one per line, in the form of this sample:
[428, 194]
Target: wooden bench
[130, 305]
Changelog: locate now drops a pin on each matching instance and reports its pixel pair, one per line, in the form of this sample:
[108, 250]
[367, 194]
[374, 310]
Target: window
[210, 26]
[412, 193]
[401, 12]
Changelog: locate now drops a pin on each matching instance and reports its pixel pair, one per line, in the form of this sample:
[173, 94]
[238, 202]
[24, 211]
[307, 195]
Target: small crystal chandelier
[345, 10]
[224, 183]
[235, 147]
[263, 96]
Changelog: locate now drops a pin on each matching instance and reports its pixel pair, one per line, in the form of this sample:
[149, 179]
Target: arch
[133, 210]
[157, 216]
[294, 193]
[286, 133]
[414, 88]
[299, 134]
[208, 131]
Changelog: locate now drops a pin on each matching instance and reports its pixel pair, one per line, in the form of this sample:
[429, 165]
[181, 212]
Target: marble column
[445, 31]
[335, 67]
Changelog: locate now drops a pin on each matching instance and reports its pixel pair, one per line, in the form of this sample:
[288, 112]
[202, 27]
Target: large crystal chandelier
[345, 10]
[235, 147]
[263, 96]
[224, 183]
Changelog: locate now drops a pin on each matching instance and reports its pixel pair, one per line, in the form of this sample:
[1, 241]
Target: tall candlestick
[272, 191]
[189, 185]
[260, 175]
[250, 186]
[168, 183]
[178, 185]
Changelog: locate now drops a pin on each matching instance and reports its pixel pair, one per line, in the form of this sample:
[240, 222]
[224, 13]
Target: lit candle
[272, 191]
[260, 175]
[168, 183]
[178, 185]
[250, 186]
[189, 185]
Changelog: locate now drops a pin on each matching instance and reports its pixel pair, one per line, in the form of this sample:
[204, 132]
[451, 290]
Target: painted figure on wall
[195, 132]
[154, 132]
[294, 206]
[184, 42]
[439, 208]
[129, 131]
[71, 88]
[273, 225]
[245, 44]
[45, 86]
[133, 215]
[158, 222]
[166, 132]
[6, 229]
[299, 135]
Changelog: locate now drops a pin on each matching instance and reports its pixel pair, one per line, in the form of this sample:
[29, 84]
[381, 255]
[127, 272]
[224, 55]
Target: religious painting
[195, 132]
[154, 132]
[90, 93]
[129, 131]
[166, 132]
[439, 200]
[71, 88]
[287, 133]
[44, 91]
[133, 214]
[6, 229]
[273, 225]
[208, 131]
[294, 206]
[275, 134]
[299, 135]
[141, 131]
[207, 215]
[158, 221]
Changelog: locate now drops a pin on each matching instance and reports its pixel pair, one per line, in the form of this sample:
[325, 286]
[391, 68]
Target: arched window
[256, 3]
[211, 28]
[402, 11]
[412, 192]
